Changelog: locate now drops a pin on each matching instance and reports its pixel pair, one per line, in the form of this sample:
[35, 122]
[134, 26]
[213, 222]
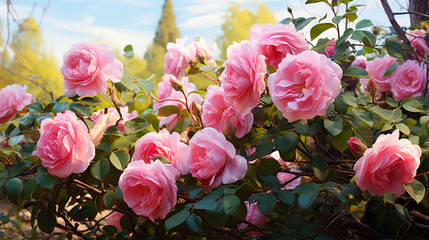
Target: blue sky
[118, 23]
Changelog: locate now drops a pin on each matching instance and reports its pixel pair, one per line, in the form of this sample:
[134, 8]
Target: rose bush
[286, 143]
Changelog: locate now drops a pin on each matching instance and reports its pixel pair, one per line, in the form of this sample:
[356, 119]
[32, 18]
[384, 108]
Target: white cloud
[204, 21]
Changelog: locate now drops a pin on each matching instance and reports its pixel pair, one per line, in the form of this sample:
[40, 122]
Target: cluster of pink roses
[13, 99]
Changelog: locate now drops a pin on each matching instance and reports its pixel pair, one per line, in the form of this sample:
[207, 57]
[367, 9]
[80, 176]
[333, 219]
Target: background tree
[418, 6]
[166, 32]
[238, 23]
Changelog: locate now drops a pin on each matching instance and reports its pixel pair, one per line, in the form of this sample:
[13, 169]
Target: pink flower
[166, 145]
[376, 69]
[177, 58]
[387, 165]
[149, 189]
[356, 146]
[305, 85]
[205, 53]
[408, 80]
[213, 160]
[114, 219]
[417, 39]
[13, 98]
[64, 146]
[360, 61]
[285, 177]
[277, 41]
[243, 78]
[103, 121]
[87, 67]
[166, 91]
[330, 48]
[255, 217]
[220, 114]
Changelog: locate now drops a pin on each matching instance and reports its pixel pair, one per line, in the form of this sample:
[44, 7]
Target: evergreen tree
[165, 33]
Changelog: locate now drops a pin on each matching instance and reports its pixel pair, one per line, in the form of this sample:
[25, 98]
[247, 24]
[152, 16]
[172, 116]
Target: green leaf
[121, 142]
[46, 221]
[206, 204]
[337, 19]
[307, 194]
[357, 72]
[286, 21]
[135, 125]
[36, 107]
[168, 110]
[320, 168]
[128, 81]
[287, 197]
[15, 140]
[334, 126]
[46, 180]
[128, 51]
[176, 219]
[27, 120]
[321, 45]
[272, 181]
[264, 148]
[162, 159]
[403, 128]
[29, 187]
[411, 104]
[266, 203]
[100, 169]
[344, 37]
[194, 223]
[301, 22]
[340, 141]
[146, 85]
[232, 205]
[364, 23]
[392, 102]
[424, 135]
[196, 193]
[82, 110]
[59, 107]
[393, 47]
[318, 29]
[109, 199]
[314, 1]
[13, 188]
[268, 166]
[416, 190]
[120, 159]
[286, 142]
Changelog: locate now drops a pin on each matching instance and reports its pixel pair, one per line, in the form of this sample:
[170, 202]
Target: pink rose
[87, 67]
[376, 69]
[220, 114]
[13, 98]
[285, 177]
[149, 189]
[360, 61]
[417, 39]
[255, 217]
[330, 48]
[356, 146]
[243, 79]
[166, 145]
[177, 58]
[64, 146]
[114, 219]
[213, 160]
[408, 80]
[166, 91]
[205, 53]
[277, 41]
[387, 165]
[103, 121]
[305, 85]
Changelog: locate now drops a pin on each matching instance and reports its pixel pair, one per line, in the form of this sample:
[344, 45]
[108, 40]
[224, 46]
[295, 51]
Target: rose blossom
[213, 160]
[64, 146]
[220, 114]
[360, 61]
[149, 189]
[387, 165]
[408, 80]
[330, 48]
[255, 217]
[103, 121]
[13, 98]
[305, 85]
[376, 69]
[166, 145]
[87, 67]
[166, 91]
[177, 58]
[417, 40]
[277, 41]
[285, 177]
[243, 79]
[114, 219]
[204, 52]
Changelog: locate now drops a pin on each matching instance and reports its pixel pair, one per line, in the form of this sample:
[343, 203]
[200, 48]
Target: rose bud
[356, 146]
[372, 87]
[196, 109]
[176, 84]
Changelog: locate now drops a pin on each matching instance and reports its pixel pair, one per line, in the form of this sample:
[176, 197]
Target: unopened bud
[176, 84]
[289, 9]
[196, 109]
[356, 146]
[375, 30]
[372, 87]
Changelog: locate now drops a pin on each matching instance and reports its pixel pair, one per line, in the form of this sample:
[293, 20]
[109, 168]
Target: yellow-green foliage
[238, 23]
[30, 58]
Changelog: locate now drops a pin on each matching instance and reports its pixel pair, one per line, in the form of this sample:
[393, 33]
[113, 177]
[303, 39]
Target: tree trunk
[419, 6]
